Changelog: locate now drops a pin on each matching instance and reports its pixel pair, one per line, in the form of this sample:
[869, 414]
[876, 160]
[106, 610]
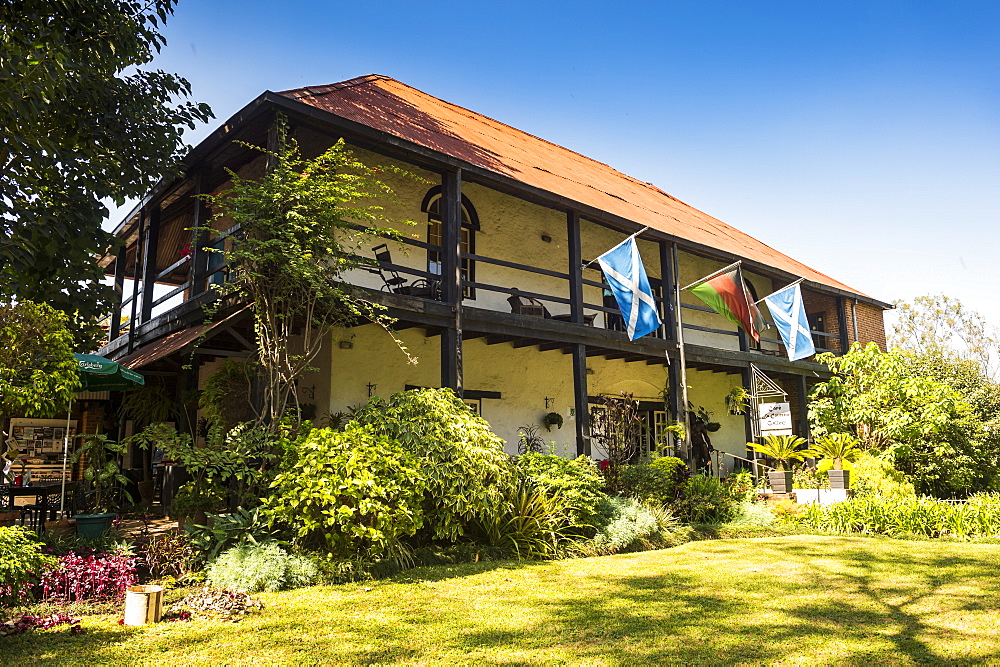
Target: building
[489, 290]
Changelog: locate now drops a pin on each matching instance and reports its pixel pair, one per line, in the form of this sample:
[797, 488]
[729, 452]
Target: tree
[79, 125]
[929, 429]
[38, 373]
[298, 236]
[941, 325]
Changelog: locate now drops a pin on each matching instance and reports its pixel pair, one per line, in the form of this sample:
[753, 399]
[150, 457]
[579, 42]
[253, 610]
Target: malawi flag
[728, 296]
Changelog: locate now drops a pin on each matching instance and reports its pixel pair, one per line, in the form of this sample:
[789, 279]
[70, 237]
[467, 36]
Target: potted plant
[194, 503]
[737, 401]
[102, 473]
[552, 419]
[783, 449]
[835, 449]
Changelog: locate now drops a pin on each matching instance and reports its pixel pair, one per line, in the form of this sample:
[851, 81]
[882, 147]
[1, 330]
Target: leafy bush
[261, 567]
[661, 480]
[20, 557]
[93, 576]
[191, 499]
[752, 514]
[742, 486]
[461, 459]
[632, 526]
[910, 515]
[577, 481]
[875, 476]
[705, 500]
[348, 492]
[229, 530]
[168, 554]
[530, 524]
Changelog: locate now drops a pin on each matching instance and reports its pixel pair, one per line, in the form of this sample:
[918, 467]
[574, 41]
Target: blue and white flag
[790, 319]
[623, 269]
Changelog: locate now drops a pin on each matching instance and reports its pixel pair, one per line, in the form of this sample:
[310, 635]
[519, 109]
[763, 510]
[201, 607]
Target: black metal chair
[526, 305]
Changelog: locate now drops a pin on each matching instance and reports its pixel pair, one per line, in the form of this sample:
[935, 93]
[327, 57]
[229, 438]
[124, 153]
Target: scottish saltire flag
[790, 318]
[623, 269]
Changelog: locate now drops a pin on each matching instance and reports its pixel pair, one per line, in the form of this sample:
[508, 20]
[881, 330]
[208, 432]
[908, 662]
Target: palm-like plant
[783, 448]
[838, 447]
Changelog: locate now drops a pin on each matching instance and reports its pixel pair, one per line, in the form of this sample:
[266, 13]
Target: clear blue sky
[862, 138]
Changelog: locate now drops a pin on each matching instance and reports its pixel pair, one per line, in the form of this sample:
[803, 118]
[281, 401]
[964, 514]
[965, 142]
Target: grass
[787, 600]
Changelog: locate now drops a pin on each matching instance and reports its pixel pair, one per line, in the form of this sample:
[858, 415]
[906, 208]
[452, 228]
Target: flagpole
[778, 290]
[617, 246]
[680, 345]
[712, 275]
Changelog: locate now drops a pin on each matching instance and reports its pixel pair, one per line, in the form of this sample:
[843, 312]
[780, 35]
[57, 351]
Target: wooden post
[804, 407]
[199, 258]
[667, 288]
[133, 310]
[149, 263]
[116, 317]
[451, 278]
[580, 402]
[579, 354]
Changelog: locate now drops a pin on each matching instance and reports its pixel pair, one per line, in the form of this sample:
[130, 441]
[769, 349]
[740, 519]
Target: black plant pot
[840, 479]
[780, 481]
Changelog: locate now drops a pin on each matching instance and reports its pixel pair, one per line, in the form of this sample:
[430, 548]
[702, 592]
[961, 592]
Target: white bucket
[143, 604]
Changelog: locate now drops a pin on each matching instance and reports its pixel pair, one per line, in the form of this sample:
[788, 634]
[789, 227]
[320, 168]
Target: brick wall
[825, 306]
[871, 325]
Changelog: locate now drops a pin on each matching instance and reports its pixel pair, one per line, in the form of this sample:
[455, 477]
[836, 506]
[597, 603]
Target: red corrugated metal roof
[384, 104]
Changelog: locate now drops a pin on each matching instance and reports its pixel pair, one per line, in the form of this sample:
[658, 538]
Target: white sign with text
[775, 419]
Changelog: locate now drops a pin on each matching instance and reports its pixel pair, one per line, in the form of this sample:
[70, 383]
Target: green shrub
[461, 459]
[348, 492]
[577, 481]
[752, 514]
[660, 481]
[742, 486]
[188, 500]
[705, 500]
[875, 476]
[530, 524]
[633, 526]
[261, 567]
[229, 530]
[21, 558]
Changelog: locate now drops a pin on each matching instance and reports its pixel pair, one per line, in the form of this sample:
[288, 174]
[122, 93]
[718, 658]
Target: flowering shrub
[87, 577]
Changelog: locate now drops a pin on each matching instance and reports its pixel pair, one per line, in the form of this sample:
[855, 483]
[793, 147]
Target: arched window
[470, 224]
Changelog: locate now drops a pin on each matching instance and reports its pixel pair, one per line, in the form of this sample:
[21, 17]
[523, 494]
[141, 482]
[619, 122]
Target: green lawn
[799, 599]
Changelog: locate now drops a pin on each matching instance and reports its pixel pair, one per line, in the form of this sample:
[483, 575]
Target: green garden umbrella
[96, 374]
[100, 374]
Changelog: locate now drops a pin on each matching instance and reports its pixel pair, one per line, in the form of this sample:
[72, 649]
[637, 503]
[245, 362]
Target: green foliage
[80, 124]
[874, 397]
[615, 425]
[530, 524]
[193, 497]
[742, 486]
[875, 476]
[577, 481]
[298, 238]
[836, 448]
[662, 481]
[168, 554]
[782, 448]
[225, 531]
[102, 472]
[752, 514]
[910, 515]
[349, 492]
[946, 447]
[38, 374]
[225, 395]
[21, 558]
[705, 500]
[251, 568]
[938, 326]
[460, 458]
[629, 525]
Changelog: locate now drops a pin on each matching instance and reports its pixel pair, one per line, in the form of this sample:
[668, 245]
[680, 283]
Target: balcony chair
[397, 284]
[526, 305]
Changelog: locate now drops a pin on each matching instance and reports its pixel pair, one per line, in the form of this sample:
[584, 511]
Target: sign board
[775, 419]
